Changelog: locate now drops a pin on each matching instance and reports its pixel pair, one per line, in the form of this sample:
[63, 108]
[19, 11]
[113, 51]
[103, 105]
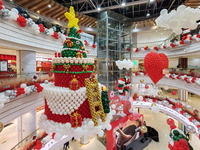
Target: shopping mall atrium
[99, 74]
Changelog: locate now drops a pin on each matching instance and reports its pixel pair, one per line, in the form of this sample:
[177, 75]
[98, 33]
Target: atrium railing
[30, 140]
[13, 81]
[193, 72]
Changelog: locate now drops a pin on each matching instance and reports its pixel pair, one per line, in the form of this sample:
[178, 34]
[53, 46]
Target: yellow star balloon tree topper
[73, 21]
[73, 46]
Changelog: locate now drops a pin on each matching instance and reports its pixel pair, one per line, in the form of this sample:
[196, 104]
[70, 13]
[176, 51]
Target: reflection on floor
[94, 144]
[9, 135]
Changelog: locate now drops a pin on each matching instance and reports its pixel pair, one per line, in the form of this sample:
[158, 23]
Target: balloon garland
[189, 39]
[124, 85]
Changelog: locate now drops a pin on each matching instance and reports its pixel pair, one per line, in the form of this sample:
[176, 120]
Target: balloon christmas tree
[74, 104]
[73, 46]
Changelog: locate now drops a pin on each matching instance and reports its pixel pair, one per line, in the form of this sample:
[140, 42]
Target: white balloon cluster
[182, 18]
[14, 14]
[3, 99]
[73, 60]
[26, 89]
[124, 64]
[87, 127]
[64, 101]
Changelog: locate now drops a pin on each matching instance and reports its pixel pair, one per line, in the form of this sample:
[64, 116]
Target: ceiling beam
[44, 6]
[27, 3]
[60, 7]
[37, 5]
[90, 23]
[61, 13]
[47, 11]
[117, 6]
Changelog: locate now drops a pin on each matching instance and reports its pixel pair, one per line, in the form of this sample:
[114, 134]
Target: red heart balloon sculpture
[154, 64]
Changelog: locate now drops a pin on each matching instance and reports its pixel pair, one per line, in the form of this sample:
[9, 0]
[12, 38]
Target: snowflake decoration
[112, 94]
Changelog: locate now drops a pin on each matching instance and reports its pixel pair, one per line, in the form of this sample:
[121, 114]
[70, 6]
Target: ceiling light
[151, 0]
[98, 8]
[38, 11]
[148, 14]
[123, 3]
[11, 0]
[49, 6]
[58, 18]
[90, 26]
[165, 28]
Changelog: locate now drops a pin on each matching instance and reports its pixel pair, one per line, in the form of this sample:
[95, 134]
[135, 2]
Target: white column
[26, 124]
[183, 95]
[134, 89]
[27, 61]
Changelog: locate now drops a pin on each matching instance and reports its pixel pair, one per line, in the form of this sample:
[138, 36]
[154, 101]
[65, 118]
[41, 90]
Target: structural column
[27, 61]
[183, 95]
[26, 124]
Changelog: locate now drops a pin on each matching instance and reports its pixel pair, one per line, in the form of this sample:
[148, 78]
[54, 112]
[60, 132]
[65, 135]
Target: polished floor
[8, 138]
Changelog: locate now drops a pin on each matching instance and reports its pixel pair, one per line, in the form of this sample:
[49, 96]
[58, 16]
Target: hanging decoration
[154, 64]
[128, 64]
[124, 85]
[183, 17]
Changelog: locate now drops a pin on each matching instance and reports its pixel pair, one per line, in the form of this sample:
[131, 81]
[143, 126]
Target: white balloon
[108, 127]
[163, 12]
[2, 100]
[90, 124]
[23, 85]
[14, 10]
[57, 137]
[140, 98]
[1, 105]
[178, 31]
[173, 23]
[186, 24]
[37, 31]
[193, 26]
[166, 87]
[155, 109]
[101, 133]
[181, 8]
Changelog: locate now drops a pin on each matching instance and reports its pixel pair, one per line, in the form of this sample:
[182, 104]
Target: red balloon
[176, 144]
[172, 126]
[179, 105]
[146, 86]
[173, 107]
[180, 148]
[154, 64]
[123, 101]
[173, 92]
[175, 148]
[126, 107]
[1, 2]
[170, 121]
[183, 142]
